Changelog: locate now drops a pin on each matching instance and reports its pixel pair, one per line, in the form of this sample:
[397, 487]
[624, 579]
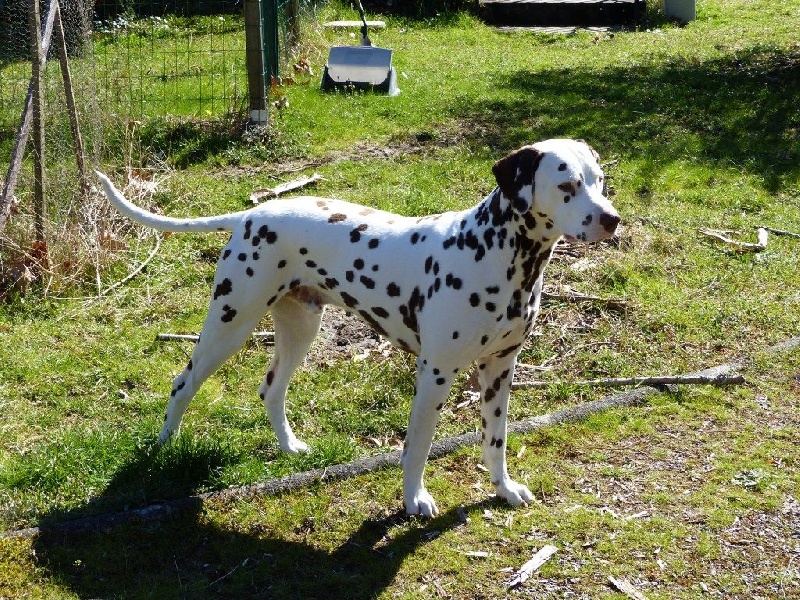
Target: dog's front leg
[433, 385]
[496, 375]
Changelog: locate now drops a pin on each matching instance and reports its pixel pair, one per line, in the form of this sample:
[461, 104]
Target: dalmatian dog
[454, 289]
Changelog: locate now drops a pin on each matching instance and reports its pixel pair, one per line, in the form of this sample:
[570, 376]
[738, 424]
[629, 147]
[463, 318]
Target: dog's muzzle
[609, 222]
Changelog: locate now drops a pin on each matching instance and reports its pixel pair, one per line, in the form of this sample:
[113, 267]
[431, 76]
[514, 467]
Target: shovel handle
[364, 38]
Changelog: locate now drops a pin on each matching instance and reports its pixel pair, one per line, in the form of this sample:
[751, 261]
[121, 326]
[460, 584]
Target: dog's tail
[140, 215]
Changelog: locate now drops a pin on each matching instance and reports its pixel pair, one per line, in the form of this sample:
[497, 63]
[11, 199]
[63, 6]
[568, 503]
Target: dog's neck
[528, 239]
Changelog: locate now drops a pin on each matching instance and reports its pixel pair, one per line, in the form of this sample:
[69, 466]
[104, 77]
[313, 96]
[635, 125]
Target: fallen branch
[283, 188]
[267, 337]
[530, 567]
[719, 380]
[737, 246]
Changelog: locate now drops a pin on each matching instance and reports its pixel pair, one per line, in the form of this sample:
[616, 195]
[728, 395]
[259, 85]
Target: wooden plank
[561, 13]
[559, 30]
[283, 188]
[354, 24]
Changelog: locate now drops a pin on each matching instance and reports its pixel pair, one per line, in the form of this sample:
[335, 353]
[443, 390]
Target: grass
[698, 488]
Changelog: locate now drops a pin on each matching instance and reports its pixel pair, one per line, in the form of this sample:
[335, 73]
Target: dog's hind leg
[224, 332]
[297, 319]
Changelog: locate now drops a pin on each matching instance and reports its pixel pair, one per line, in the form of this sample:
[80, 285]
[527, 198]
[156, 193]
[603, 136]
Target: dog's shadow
[192, 555]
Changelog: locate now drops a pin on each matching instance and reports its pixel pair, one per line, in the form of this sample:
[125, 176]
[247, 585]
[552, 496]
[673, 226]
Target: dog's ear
[592, 151]
[515, 175]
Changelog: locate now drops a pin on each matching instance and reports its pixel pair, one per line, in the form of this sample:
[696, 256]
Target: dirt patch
[344, 336]
[421, 142]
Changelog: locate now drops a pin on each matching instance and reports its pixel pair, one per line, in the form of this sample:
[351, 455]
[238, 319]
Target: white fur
[454, 289]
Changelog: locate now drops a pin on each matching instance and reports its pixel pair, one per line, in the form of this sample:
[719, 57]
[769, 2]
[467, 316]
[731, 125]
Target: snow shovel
[363, 67]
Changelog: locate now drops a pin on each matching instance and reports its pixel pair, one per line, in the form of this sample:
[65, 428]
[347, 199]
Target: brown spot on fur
[307, 295]
[568, 187]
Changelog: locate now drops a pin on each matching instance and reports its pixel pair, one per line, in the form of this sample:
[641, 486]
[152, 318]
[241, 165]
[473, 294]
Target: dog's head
[560, 180]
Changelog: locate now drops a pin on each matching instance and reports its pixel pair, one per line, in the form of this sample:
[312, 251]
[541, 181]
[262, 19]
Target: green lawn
[694, 493]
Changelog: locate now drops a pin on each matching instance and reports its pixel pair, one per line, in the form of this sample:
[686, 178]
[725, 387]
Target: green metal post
[269, 33]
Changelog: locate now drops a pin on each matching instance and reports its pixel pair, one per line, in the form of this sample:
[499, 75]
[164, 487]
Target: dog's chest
[508, 330]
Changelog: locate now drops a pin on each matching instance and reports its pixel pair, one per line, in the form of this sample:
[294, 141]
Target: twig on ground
[528, 569]
[781, 232]
[736, 245]
[133, 273]
[283, 188]
[717, 380]
[267, 337]
[541, 367]
[626, 588]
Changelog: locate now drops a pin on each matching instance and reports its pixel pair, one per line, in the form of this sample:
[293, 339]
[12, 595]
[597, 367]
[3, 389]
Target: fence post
[255, 61]
[63, 59]
[10, 183]
[35, 26]
[293, 23]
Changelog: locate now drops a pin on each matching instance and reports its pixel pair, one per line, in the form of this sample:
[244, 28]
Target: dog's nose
[609, 221]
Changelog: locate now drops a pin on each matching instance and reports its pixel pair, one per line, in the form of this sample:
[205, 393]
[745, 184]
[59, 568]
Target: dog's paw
[165, 436]
[421, 503]
[294, 446]
[515, 493]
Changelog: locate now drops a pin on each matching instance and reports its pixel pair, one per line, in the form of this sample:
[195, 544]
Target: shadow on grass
[188, 556]
[147, 475]
[741, 112]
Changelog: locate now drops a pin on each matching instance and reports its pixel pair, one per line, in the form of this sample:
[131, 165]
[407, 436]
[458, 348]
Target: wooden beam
[35, 29]
[10, 183]
[255, 62]
[61, 47]
[354, 24]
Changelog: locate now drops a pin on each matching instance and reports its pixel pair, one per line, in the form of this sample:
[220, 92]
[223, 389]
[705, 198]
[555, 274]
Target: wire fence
[179, 58]
[132, 62]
